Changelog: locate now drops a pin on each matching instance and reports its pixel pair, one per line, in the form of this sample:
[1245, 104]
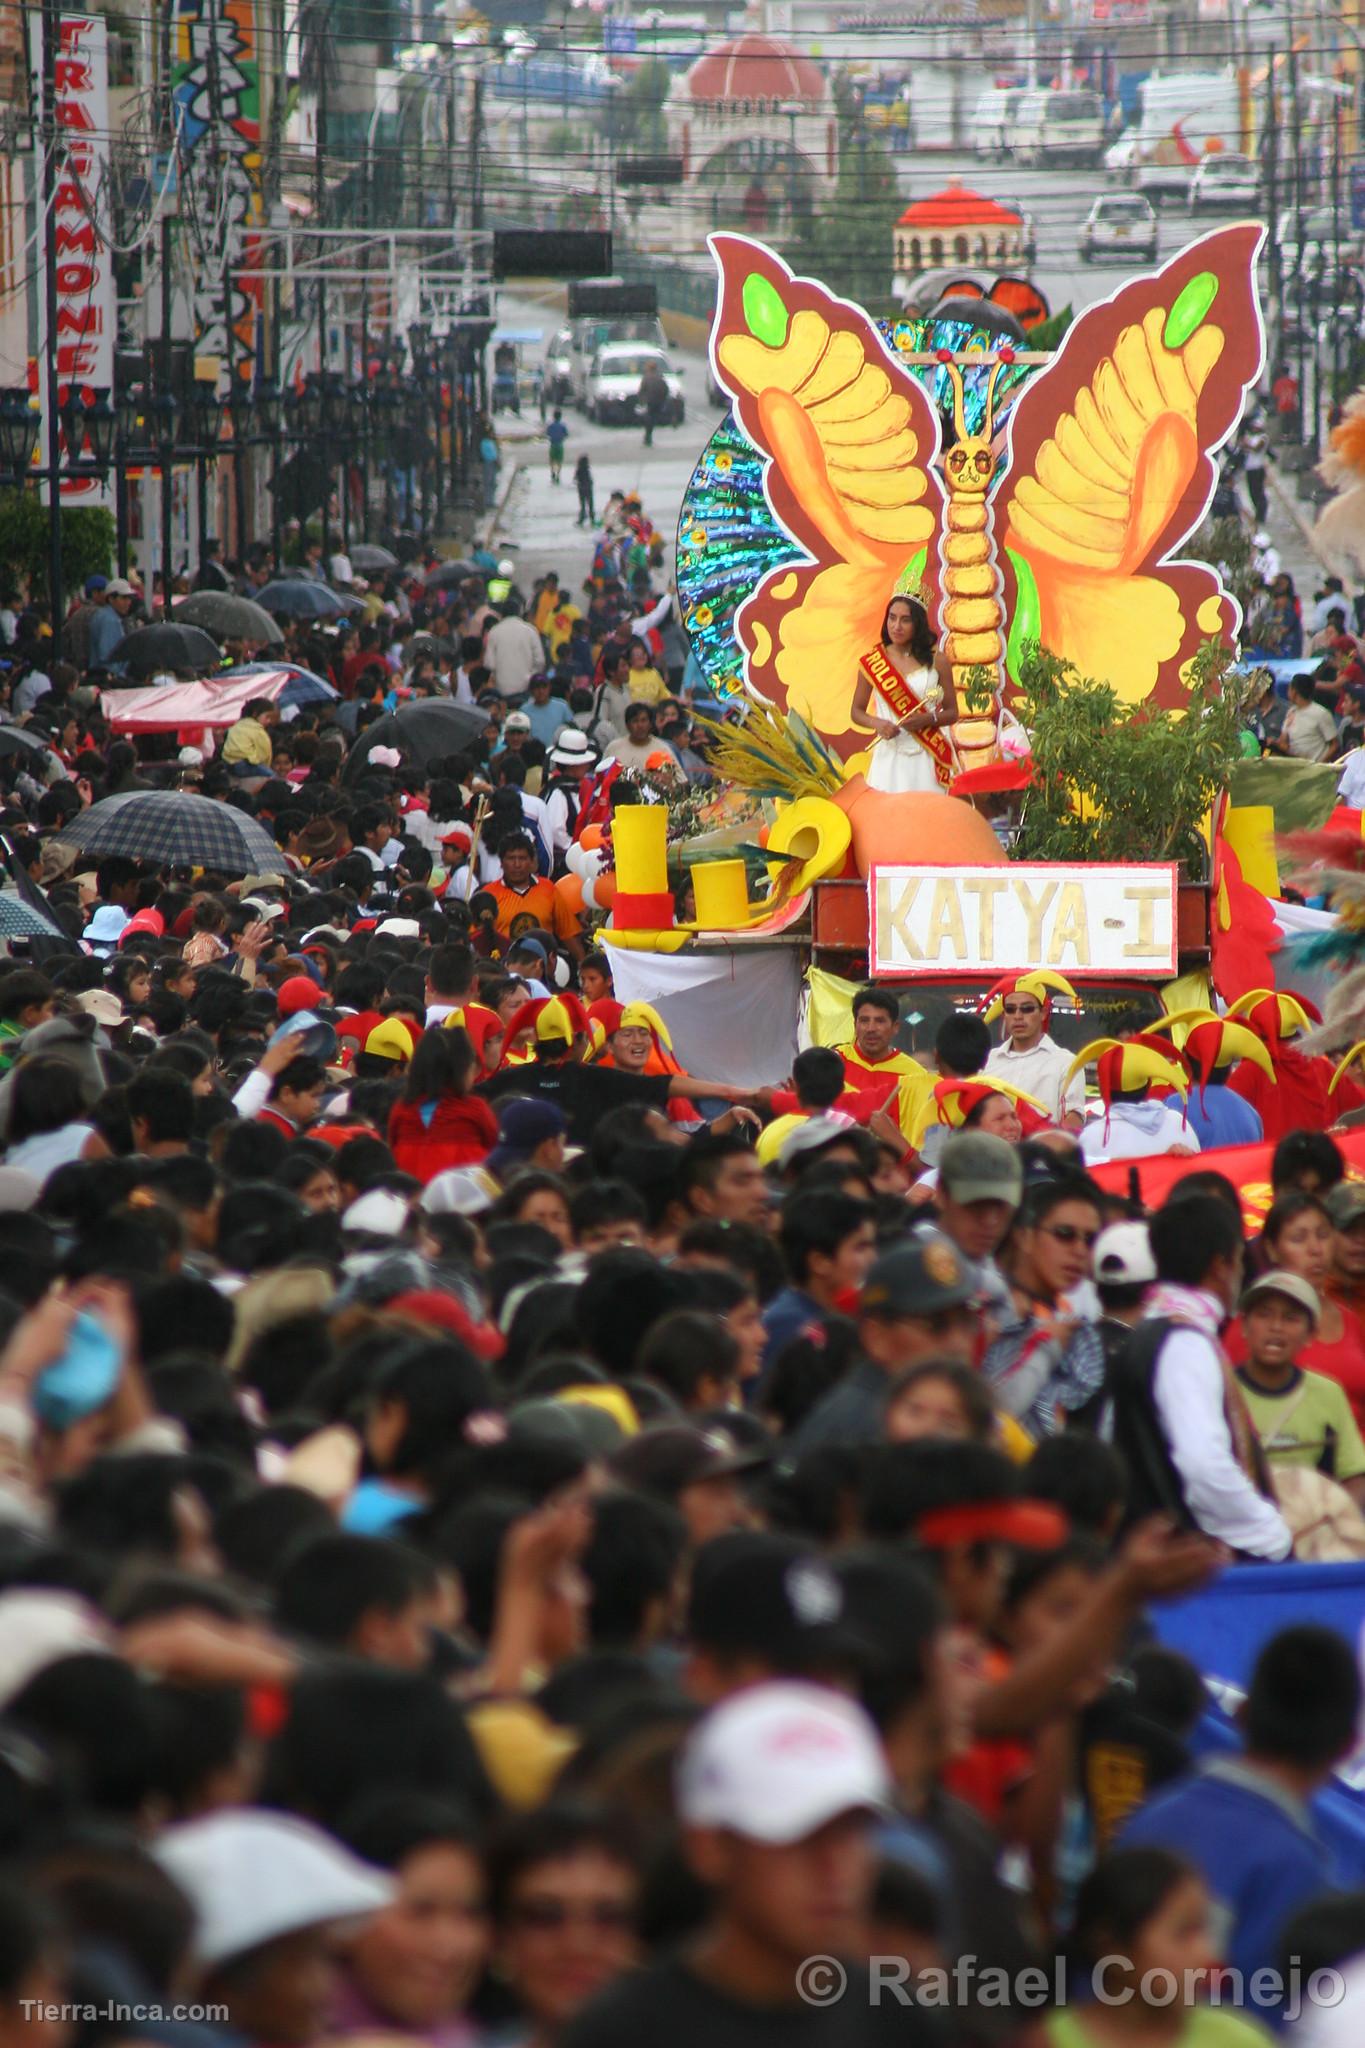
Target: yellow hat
[1040, 983]
[644, 1017]
[390, 1041]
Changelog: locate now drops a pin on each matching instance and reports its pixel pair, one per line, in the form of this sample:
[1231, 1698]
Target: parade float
[1038, 506]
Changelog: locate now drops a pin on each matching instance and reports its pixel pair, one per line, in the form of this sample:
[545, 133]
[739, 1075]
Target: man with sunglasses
[1029, 1058]
[1045, 1362]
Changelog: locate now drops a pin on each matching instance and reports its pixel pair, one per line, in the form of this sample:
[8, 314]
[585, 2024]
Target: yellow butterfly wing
[1111, 471]
[850, 437]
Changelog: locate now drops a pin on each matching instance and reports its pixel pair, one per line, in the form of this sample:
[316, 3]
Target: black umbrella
[449, 572]
[423, 732]
[175, 829]
[367, 557]
[17, 739]
[184, 649]
[228, 616]
[299, 598]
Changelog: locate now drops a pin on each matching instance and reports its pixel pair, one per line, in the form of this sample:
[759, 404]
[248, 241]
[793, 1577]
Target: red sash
[891, 686]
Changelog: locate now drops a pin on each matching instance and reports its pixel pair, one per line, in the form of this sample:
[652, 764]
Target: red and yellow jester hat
[547, 1018]
[1212, 1042]
[1275, 1015]
[1346, 1060]
[1038, 982]
[957, 1099]
[1122, 1064]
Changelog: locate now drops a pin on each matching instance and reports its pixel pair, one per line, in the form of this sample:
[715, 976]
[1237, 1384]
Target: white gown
[899, 765]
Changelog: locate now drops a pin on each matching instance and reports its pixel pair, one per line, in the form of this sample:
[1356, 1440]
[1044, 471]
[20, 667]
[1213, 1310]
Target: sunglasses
[1067, 1233]
[1021, 1009]
[545, 1916]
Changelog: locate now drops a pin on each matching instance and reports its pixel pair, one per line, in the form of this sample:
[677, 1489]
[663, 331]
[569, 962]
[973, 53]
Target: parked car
[1122, 224]
[1227, 180]
[1058, 126]
[614, 384]
[993, 119]
[557, 380]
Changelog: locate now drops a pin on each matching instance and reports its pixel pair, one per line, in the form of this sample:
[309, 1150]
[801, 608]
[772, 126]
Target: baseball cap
[101, 1004]
[813, 1133]
[776, 1762]
[1346, 1203]
[1292, 1286]
[119, 586]
[94, 583]
[379, 1212]
[297, 992]
[923, 1277]
[1123, 1256]
[458, 835]
[974, 1166]
[526, 1123]
[460, 1191]
[672, 1456]
[516, 721]
[770, 1596]
[253, 1877]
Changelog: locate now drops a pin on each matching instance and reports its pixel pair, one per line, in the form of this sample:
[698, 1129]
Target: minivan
[1059, 126]
[993, 120]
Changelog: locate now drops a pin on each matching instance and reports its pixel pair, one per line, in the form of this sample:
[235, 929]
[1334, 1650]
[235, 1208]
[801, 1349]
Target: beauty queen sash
[891, 686]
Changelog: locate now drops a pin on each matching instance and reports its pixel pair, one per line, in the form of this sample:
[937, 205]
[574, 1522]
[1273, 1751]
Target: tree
[634, 117]
[88, 539]
[847, 241]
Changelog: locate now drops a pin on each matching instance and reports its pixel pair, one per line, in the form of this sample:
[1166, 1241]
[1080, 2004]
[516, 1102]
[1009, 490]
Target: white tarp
[731, 1016]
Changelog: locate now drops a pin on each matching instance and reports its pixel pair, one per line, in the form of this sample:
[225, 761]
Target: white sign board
[992, 921]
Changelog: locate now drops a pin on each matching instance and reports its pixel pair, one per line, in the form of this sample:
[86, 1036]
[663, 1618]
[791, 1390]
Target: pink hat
[146, 921]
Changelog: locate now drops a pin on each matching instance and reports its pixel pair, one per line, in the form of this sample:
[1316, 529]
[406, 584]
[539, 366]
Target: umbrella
[19, 920]
[153, 648]
[448, 572]
[303, 687]
[174, 829]
[424, 731]
[367, 557]
[298, 598]
[17, 739]
[228, 616]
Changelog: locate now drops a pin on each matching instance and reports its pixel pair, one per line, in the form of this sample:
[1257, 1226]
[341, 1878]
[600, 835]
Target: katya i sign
[993, 921]
[86, 314]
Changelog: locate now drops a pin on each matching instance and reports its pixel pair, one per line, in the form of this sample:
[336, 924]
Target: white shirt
[514, 652]
[1039, 1073]
[1137, 1130]
[1188, 1391]
[1351, 788]
[1335, 601]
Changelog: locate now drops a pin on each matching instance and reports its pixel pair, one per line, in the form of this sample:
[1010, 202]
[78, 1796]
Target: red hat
[146, 921]
[299, 992]
[443, 1312]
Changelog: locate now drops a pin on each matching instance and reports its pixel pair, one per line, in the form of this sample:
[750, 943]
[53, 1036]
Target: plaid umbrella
[228, 616]
[423, 731]
[19, 920]
[298, 598]
[175, 829]
[184, 649]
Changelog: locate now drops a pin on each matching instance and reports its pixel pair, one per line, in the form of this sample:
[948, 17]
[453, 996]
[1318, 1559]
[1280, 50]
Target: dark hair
[962, 1044]
[684, 1348]
[1300, 1152]
[549, 1834]
[923, 645]
[443, 1063]
[1287, 1209]
[450, 969]
[893, 1605]
[818, 1077]
[1046, 1196]
[1189, 1236]
[870, 996]
[605, 1201]
[111, 1891]
[1081, 1475]
[624, 1293]
[901, 1482]
[165, 1103]
[971, 1390]
[1118, 1898]
[440, 1385]
[257, 1533]
[92, 1710]
[817, 1222]
[387, 1827]
[631, 1561]
[47, 1094]
[1303, 1703]
[326, 1587]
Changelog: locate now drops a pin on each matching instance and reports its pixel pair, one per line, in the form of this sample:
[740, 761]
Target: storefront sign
[993, 921]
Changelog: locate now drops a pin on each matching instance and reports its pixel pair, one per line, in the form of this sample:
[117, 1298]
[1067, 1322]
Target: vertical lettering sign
[82, 208]
[1082, 919]
[217, 91]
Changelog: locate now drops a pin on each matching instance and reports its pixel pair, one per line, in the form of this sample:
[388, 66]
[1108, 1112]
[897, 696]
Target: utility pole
[476, 153]
[1270, 155]
[52, 28]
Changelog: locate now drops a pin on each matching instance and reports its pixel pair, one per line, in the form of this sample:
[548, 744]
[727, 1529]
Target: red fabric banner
[1246, 1166]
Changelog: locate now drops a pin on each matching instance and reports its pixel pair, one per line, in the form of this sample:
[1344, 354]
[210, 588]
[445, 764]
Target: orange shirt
[538, 905]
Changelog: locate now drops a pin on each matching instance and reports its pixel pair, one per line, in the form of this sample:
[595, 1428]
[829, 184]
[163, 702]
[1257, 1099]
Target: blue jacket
[1223, 1118]
[1256, 1845]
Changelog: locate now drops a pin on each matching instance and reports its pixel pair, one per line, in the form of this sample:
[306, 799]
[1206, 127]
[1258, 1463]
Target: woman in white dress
[904, 695]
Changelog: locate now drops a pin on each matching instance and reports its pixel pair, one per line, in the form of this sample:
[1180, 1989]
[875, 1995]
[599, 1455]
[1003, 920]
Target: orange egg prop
[590, 838]
[569, 890]
[604, 890]
[926, 830]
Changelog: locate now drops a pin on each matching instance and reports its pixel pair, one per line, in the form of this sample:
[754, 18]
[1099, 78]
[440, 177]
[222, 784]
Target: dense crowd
[504, 1539]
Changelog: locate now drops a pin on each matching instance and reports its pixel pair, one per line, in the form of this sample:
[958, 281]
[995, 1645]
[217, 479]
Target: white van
[1063, 125]
[1183, 118]
[993, 119]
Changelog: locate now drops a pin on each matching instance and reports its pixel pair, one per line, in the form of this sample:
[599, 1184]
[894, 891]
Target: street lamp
[19, 423]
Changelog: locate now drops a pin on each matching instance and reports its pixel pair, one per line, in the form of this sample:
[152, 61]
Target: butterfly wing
[1110, 469]
[849, 438]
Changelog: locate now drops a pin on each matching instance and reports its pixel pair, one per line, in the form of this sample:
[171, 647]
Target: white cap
[779, 1761]
[39, 1626]
[253, 1877]
[380, 1211]
[460, 1191]
[1123, 1256]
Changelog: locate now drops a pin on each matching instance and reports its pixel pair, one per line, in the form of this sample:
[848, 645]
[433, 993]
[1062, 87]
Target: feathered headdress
[1038, 982]
[1340, 529]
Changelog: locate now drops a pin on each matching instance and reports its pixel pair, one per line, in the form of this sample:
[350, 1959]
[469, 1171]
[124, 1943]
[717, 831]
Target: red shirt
[1343, 1361]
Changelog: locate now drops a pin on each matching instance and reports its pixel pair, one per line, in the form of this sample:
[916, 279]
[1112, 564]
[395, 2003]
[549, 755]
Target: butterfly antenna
[954, 375]
[1000, 363]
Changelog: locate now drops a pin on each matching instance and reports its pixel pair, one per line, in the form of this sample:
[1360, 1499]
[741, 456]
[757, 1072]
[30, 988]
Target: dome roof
[753, 67]
[956, 206]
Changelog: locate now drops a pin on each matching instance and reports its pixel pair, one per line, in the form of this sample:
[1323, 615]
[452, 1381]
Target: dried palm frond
[1340, 528]
[774, 754]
